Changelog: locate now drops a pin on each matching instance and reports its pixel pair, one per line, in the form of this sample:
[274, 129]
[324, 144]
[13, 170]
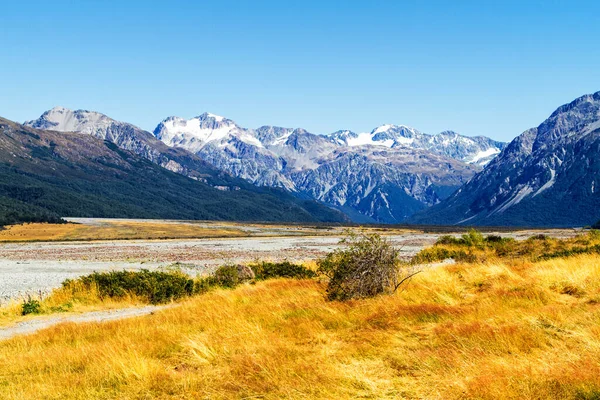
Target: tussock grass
[499, 329]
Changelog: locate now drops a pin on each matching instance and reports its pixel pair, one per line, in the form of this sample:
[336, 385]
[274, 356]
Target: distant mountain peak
[217, 118]
[398, 128]
[59, 109]
[63, 119]
[196, 132]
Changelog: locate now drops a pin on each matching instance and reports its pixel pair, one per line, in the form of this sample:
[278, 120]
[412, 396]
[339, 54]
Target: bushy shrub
[435, 254]
[367, 266]
[226, 276]
[448, 239]
[493, 239]
[153, 286]
[268, 270]
[473, 238]
[539, 236]
[31, 306]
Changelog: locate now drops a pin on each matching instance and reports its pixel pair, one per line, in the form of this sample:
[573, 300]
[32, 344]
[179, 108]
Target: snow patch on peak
[383, 128]
[483, 155]
[217, 118]
[58, 109]
[367, 139]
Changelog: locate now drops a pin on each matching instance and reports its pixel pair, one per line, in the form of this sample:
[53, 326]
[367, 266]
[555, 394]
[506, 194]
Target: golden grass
[502, 329]
[113, 230]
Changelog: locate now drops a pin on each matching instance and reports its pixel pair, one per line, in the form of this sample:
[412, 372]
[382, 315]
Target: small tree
[367, 266]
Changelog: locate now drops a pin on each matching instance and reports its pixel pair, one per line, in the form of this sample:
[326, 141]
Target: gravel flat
[35, 268]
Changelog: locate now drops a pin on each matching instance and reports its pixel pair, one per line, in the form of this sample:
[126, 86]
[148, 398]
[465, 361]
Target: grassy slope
[512, 329]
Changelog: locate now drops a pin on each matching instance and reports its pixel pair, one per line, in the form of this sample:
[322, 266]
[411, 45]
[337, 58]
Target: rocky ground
[38, 267]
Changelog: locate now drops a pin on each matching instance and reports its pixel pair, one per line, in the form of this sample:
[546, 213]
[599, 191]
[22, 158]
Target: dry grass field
[500, 329]
[113, 230]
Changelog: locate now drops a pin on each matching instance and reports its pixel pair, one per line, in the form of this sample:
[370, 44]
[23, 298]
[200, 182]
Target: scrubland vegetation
[510, 320]
[475, 247]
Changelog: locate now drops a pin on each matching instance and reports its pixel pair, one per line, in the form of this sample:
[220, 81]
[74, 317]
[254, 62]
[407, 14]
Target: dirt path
[34, 325]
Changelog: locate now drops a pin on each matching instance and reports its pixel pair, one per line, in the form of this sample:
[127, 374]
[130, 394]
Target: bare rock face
[245, 273]
[547, 176]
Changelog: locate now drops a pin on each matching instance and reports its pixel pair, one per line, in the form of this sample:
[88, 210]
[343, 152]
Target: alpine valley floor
[36, 258]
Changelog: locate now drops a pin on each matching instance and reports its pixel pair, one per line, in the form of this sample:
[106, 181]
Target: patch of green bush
[154, 286]
[268, 270]
[226, 276]
[157, 287]
[473, 238]
[31, 306]
[473, 247]
[435, 254]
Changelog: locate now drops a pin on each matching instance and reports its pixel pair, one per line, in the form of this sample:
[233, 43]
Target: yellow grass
[511, 329]
[113, 230]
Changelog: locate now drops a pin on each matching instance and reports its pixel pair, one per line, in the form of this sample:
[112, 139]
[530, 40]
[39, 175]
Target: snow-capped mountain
[472, 150]
[384, 176]
[547, 176]
[134, 139]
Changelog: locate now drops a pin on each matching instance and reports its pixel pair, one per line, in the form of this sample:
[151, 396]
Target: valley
[43, 256]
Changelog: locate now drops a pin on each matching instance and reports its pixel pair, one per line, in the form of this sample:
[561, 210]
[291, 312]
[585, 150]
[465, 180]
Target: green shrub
[153, 286]
[435, 254]
[31, 306]
[494, 239]
[225, 276]
[448, 239]
[268, 270]
[473, 238]
[367, 266]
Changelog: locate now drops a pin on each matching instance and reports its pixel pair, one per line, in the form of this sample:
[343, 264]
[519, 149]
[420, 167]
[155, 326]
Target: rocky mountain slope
[45, 174]
[547, 176]
[382, 176]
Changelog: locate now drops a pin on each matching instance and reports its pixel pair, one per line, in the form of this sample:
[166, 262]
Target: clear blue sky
[493, 68]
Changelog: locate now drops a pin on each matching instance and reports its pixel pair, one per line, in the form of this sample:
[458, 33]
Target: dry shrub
[367, 266]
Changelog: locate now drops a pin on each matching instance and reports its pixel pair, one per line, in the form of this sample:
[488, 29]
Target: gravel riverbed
[36, 268]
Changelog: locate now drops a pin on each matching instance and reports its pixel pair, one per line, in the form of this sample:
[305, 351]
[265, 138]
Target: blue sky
[493, 68]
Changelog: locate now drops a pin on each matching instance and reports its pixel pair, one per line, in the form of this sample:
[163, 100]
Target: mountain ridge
[47, 174]
[547, 176]
[303, 163]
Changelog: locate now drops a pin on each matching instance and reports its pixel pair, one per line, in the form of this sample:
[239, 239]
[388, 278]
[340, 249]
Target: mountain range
[385, 175]
[45, 175]
[547, 176]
